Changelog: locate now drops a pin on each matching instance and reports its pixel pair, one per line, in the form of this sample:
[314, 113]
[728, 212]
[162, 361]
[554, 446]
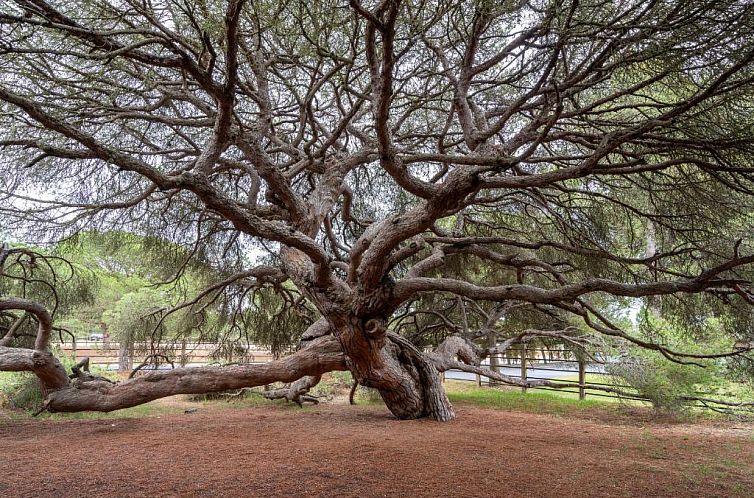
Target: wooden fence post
[478, 380]
[523, 366]
[495, 367]
[582, 379]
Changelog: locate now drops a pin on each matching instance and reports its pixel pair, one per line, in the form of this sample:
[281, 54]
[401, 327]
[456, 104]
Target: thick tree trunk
[406, 379]
[123, 354]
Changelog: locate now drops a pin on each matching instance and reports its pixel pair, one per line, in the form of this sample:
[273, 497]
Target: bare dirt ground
[335, 450]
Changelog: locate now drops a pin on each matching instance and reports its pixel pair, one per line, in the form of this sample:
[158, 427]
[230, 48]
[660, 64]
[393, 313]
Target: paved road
[545, 371]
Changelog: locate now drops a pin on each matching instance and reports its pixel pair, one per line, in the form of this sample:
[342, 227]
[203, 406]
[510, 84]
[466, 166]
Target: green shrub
[662, 382]
[332, 385]
[367, 395]
[20, 390]
[340, 383]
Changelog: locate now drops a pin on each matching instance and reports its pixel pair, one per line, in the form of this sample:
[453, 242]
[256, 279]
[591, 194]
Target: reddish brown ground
[360, 451]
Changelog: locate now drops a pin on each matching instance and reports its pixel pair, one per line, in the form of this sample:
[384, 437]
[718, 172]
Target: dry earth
[361, 451]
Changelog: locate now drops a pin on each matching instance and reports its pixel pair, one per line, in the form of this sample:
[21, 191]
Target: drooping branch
[43, 317]
[605, 326]
[152, 359]
[710, 279]
[446, 363]
[245, 221]
[254, 277]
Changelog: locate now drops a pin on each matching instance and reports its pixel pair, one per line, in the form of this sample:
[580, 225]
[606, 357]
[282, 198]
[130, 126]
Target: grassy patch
[592, 378]
[146, 410]
[153, 409]
[550, 402]
[556, 402]
[255, 401]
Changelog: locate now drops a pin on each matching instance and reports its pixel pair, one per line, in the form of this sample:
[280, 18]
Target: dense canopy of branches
[393, 159]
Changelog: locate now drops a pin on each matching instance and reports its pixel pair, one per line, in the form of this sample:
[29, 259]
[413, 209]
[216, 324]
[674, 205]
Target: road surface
[556, 370]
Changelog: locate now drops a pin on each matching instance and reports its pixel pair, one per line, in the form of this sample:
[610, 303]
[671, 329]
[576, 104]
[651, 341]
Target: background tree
[49, 281]
[372, 149]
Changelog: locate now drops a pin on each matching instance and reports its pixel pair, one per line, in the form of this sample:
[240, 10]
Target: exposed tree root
[297, 391]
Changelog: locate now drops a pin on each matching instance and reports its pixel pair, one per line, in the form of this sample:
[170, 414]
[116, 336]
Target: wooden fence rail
[531, 366]
[109, 355]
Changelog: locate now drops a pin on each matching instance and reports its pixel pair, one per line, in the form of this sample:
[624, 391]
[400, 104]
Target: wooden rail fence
[108, 354]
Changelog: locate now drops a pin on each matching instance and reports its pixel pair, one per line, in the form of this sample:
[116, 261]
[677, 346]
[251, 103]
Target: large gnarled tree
[377, 148]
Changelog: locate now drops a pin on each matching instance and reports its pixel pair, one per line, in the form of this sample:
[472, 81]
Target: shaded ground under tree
[363, 451]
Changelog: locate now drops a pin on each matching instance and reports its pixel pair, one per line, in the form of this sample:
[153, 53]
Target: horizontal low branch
[408, 287]
[322, 355]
